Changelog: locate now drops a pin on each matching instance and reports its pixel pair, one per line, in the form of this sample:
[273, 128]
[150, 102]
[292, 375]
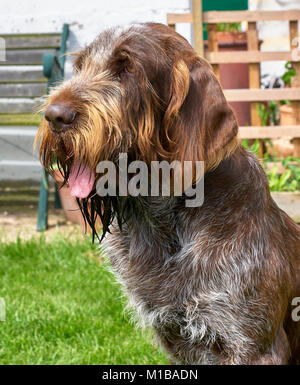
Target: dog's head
[143, 91]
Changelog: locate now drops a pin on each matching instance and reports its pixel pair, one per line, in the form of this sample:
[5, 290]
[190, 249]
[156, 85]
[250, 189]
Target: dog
[216, 282]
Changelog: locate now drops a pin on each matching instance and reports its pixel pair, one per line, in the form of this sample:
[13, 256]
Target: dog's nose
[60, 117]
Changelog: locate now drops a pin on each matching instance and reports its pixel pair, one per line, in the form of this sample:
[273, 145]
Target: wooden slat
[263, 132]
[28, 90]
[250, 16]
[18, 131]
[11, 149]
[23, 75]
[212, 45]
[28, 35]
[246, 56]
[174, 18]
[41, 41]
[21, 56]
[198, 27]
[235, 16]
[14, 106]
[254, 78]
[288, 202]
[261, 95]
[293, 27]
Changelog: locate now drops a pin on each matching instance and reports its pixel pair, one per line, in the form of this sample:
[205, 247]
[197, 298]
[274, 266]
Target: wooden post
[294, 39]
[254, 77]
[172, 26]
[198, 27]
[212, 44]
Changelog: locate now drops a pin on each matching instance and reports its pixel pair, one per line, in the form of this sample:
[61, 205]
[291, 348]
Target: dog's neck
[239, 178]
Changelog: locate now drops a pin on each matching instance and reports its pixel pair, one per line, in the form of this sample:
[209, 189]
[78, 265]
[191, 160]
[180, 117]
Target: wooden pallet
[253, 56]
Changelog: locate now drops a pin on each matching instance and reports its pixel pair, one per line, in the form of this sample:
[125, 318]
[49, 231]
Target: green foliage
[63, 306]
[289, 180]
[229, 27]
[289, 73]
[282, 102]
[287, 78]
[268, 113]
[254, 147]
[274, 113]
[280, 182]
[263, 113]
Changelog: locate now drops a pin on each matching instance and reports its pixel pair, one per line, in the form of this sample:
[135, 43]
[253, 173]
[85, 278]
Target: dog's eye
[129, 69]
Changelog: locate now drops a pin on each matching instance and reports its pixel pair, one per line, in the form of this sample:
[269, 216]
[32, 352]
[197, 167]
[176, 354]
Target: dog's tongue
[81, 180]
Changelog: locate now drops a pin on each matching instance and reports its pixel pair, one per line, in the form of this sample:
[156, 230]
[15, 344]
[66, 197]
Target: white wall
[87, 18]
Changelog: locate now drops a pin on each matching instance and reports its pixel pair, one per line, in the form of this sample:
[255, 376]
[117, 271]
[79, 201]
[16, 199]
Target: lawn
[64, 307]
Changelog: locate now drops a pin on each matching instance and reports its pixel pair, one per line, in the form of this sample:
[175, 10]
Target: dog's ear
[180, 83]
[199, 123]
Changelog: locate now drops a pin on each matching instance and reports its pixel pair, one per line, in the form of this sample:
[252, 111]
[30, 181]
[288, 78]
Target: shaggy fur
[216, 282]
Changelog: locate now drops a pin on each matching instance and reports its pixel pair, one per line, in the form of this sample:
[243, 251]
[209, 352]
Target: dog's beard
[98, 211]
[105, 208]
[100, 133]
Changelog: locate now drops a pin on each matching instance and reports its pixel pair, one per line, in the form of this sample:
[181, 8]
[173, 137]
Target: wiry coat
[216, 282]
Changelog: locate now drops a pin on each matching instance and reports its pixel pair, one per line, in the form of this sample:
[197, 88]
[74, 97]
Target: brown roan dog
[217, 282]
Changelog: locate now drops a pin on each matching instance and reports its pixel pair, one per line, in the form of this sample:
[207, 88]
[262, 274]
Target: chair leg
[42, 222]
[57, 201]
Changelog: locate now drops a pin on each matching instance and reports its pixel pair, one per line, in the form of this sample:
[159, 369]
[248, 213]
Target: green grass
[64, 307]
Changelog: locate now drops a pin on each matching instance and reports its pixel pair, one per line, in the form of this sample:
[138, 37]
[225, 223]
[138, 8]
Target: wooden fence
[253, 56]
